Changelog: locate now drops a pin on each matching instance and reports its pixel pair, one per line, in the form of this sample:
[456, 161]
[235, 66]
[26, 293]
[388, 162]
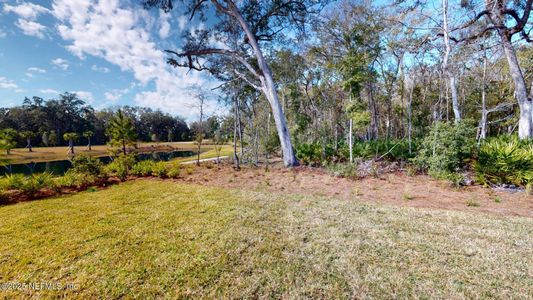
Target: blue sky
[107, 51]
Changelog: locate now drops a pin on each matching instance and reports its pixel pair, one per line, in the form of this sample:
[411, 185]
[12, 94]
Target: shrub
[73, 179]
[505, 160]
[174, 171]
[143, 168]
[391, 149]
[86, 165]
[446, 148]
[189, 169]
[37, 182]
[69, 179]
[309, 154]
[121, 166]
[12, 182]
[160, 169]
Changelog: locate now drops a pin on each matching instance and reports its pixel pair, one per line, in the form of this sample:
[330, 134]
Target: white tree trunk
[525, 125]
[445, 66]
[524, 102]
[350, 140]
[411, 85]
[483, 122]
[269, 89]
[235, 132]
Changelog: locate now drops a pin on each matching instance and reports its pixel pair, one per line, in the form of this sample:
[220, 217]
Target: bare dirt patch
[396, 189]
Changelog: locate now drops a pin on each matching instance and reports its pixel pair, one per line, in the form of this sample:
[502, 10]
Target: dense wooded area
[328, 74]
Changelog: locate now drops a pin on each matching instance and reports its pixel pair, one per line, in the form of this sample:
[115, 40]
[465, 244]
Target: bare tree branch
[208, 51]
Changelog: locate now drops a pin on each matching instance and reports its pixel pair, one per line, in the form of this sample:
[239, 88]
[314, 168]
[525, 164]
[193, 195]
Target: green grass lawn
[152, 239]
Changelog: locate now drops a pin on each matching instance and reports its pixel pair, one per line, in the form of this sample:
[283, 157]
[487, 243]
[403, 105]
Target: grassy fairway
[151, 238]
[208, 152]
[42, 154]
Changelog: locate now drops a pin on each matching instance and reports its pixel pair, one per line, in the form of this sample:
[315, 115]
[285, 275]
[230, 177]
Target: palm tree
[28, 135]
[88, 134]
[70, 137]
[122, 131]
[8, 138]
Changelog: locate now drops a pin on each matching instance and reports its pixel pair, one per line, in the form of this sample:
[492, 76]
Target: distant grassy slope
[153, 239]
[208, 152]
[40, 154]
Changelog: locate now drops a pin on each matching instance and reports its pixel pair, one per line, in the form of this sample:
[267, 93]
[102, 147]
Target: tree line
[69, 119]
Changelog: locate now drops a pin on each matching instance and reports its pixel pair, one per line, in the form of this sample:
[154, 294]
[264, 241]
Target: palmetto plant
[505, 161]
[28, 135]
[88, 135]
[70, 137]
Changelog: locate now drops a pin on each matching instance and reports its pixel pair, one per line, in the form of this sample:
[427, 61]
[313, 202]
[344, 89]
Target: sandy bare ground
[395, 189]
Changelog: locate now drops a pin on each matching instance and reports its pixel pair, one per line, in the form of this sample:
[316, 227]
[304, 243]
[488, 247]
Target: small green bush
[86, 165]
[39, 181]
[121, 166]
[174, 171]
[74, 180]
[446, 148]
[309, 154]
[160, 169]
[69, 179]
[390, 149]
[12, 182]
[505, 160]
[143, 168]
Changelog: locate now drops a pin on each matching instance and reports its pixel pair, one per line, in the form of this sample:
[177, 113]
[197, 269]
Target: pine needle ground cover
[152, 239]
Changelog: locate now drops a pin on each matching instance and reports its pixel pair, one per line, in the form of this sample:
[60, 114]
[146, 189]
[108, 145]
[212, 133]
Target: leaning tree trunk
[445, 66]
[269, 89]
[525, 123]
[289, 158]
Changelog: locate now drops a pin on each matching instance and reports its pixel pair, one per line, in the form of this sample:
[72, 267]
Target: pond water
[59, 167]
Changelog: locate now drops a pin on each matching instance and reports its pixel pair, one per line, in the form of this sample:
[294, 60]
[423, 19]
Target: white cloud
[3, 34]
[113, 97]
[49, 91]
[31, 28]
[26, 10]
[182, 22]
[27, 13]
[100, 69]
[60, 63]
[116, 94]
[85, 96]
[34, 70]
[107, 30]
[164, 29]
[7, 84]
